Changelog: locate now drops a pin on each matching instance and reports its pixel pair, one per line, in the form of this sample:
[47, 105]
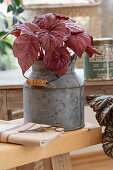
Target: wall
[106, 13]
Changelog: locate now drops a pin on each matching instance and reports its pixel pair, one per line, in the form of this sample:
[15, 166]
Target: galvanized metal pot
[62, 101]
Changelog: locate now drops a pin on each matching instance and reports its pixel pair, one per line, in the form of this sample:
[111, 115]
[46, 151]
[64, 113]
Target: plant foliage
[16, 9]
[47, 38]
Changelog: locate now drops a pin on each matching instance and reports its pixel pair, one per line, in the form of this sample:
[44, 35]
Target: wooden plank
[61, 162]
[96, 160]
[17, 114]
[98, 83]
[11, 79]
[26, 167]
[14, 99]
[32, 166]
[39, 165]
[99, 90]
[3, 105]
[69, 141]
[47, 164]
[8, 87]
[108, 90]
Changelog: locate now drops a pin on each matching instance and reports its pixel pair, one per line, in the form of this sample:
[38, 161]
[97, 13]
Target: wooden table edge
[86, 84]
[17, 155]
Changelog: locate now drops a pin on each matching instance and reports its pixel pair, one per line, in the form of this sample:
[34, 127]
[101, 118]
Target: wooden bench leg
[39, 165]
[47, 164]
[61, 162]
[32, 166]
[3, 105]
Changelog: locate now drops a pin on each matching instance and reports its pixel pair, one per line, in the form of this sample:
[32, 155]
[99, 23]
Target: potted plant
[44, 44]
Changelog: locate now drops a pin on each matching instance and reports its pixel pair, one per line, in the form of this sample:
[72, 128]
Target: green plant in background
[7, 61]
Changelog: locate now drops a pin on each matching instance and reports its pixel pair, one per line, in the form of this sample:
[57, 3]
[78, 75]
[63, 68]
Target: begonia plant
[48, 37]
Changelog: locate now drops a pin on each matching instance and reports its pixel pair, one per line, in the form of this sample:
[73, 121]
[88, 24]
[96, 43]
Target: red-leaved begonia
[51, 33]
[26, 48]
[16, 32]
[61, 17]
[52, 37]
[79, 43]
[28, 28]
[90, 50]
[59, 61]
[47, 39]
[43, 20]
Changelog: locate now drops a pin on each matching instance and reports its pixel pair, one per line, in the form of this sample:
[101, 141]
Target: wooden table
[11, 90]
[54, 156]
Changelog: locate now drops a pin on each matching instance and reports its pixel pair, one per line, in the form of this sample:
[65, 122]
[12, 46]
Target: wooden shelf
[98, 83]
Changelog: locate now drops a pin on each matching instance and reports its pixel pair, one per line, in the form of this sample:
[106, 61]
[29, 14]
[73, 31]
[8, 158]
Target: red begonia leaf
[67, 34]
[43, 20]
[79, 43]
[92, 43]
[26, 48]
[69, 23]
[52, 35]
[63, 70]
[89, 52]
[92, 50]
[74, 28]
[14, 32]
[59, 61]
[61, 17]
[28, 28]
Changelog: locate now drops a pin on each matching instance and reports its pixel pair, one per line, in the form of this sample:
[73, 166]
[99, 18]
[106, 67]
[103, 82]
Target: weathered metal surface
[100, 67]
[62, 101]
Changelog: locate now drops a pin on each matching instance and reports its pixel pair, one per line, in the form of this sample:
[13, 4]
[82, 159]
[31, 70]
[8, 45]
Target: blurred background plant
[9, 16]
